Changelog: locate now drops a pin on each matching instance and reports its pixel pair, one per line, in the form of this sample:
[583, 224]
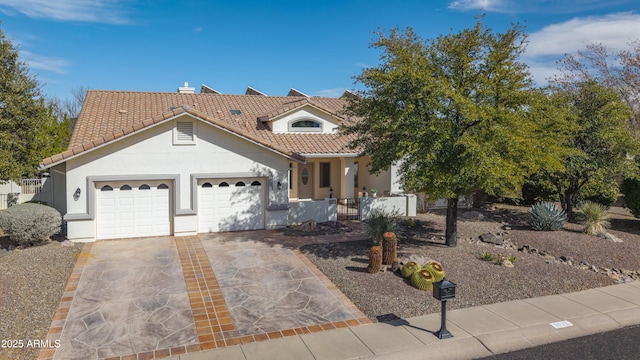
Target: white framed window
[305, 125]
[184, 133]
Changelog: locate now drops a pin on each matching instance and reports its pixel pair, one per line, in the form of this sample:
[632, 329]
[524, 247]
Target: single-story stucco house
[152, 163]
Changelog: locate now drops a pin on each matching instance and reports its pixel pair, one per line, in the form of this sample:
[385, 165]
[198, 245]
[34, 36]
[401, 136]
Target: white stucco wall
[151, 152]
[329, 123]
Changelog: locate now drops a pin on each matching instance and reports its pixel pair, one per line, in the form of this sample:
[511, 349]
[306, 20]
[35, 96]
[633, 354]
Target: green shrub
[28, 224]
[594, 217]
[631, 190]
[546, 216]
[487, 256]
[605, 193]
[379, 222]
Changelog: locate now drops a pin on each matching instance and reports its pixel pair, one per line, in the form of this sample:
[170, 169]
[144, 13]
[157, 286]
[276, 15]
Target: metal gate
[348, 209]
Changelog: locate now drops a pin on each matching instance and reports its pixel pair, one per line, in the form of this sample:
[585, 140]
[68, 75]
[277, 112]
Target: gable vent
[184, 131]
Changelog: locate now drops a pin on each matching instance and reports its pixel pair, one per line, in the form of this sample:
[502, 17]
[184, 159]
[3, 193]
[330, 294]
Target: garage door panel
[223, 206]
[132, 210]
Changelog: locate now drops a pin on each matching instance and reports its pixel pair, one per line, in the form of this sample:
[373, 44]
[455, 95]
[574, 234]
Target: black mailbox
[444, 290]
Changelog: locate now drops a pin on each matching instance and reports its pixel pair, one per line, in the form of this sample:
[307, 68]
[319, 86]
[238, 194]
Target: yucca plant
[546, 216]
[594, 217]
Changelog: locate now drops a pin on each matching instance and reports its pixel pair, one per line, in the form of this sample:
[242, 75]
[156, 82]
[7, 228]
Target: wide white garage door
[230, 205]
[132, 209]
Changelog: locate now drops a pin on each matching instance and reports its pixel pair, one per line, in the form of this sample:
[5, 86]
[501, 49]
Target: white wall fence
[29, 189]
[316, 210]
[401, 205]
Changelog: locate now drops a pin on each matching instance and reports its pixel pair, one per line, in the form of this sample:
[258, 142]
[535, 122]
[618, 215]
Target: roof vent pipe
[186, 89]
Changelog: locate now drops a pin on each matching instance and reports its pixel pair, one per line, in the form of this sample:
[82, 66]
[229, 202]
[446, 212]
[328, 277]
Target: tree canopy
[24, 117]
[600, 140]
[457, 114]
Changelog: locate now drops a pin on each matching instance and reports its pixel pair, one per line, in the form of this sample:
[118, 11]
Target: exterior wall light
[76, 194]
[330, 192]
[364, 191]
[444, 290]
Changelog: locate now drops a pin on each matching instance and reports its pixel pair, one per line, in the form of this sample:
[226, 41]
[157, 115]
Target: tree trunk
[452, 222]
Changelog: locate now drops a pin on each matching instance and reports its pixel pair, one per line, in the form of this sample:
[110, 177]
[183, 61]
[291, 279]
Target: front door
[305, 181]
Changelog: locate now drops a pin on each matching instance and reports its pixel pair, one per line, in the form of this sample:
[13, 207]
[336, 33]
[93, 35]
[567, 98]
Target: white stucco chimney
[186, 89]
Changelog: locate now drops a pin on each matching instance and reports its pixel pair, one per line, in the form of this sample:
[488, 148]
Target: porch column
[346, 178]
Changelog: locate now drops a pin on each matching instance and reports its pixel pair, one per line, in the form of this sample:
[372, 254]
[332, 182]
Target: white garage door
[132, 209]
[230, 205]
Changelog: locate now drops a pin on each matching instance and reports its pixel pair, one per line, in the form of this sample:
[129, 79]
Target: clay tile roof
[109, 115]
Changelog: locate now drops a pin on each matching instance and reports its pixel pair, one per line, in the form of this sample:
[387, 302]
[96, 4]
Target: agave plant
[594, 217]
[545, 216]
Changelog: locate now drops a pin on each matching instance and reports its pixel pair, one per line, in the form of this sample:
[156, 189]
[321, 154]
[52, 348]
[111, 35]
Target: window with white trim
[305, 125]
[184, 133]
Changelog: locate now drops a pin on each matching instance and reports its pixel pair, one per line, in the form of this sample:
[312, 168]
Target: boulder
[472, 215]
[491, 239]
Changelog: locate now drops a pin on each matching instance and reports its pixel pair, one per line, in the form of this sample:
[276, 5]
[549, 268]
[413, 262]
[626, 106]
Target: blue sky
[314, 46]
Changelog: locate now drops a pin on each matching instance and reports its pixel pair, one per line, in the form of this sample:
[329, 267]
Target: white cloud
[552, 42]
[487, 5]
[198, 29]
[336, 92]
[99, 11]
[614, 30]
[56, 65]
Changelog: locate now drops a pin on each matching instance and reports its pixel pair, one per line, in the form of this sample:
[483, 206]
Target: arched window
[106, 188]
[256, 183]
[207, 185]
[125, 187]
[223, 184]
[239, 183]
[163, 186]
[144, 187]
[305, 125]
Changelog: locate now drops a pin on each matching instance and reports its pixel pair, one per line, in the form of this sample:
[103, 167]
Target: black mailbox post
[444, 290]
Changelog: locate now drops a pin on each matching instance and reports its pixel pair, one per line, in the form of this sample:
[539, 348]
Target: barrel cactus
[422, 279]
[546, 216]
[435, 269]
[409, 268]
[375, 259]
[389, 247]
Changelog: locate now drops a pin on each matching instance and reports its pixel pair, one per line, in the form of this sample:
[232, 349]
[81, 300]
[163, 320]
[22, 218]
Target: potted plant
[373, 192]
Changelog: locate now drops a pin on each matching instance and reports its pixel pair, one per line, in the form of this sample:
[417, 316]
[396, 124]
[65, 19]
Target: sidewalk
[477, 332]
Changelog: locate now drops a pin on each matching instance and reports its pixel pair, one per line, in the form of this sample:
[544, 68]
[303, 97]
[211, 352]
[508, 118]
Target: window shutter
[184, 131]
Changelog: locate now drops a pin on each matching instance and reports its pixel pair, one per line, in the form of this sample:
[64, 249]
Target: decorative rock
[395, 265]
[472, 215]
[309, 225]
[610, 237]
[491, 239]
[507, 263]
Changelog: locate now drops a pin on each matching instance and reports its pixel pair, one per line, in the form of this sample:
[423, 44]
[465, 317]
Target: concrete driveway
[155, 297]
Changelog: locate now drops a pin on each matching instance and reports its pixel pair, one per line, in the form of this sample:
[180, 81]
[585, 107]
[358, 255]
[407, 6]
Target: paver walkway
[156, 297]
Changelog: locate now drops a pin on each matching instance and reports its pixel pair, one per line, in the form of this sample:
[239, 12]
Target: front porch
[341, 177]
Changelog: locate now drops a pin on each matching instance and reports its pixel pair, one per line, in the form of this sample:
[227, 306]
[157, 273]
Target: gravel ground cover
[32, 280]
[387, 295]
[31, 284]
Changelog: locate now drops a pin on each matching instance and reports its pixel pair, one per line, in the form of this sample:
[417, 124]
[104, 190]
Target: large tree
[601, 140]
[23, 116]
[455, 113]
